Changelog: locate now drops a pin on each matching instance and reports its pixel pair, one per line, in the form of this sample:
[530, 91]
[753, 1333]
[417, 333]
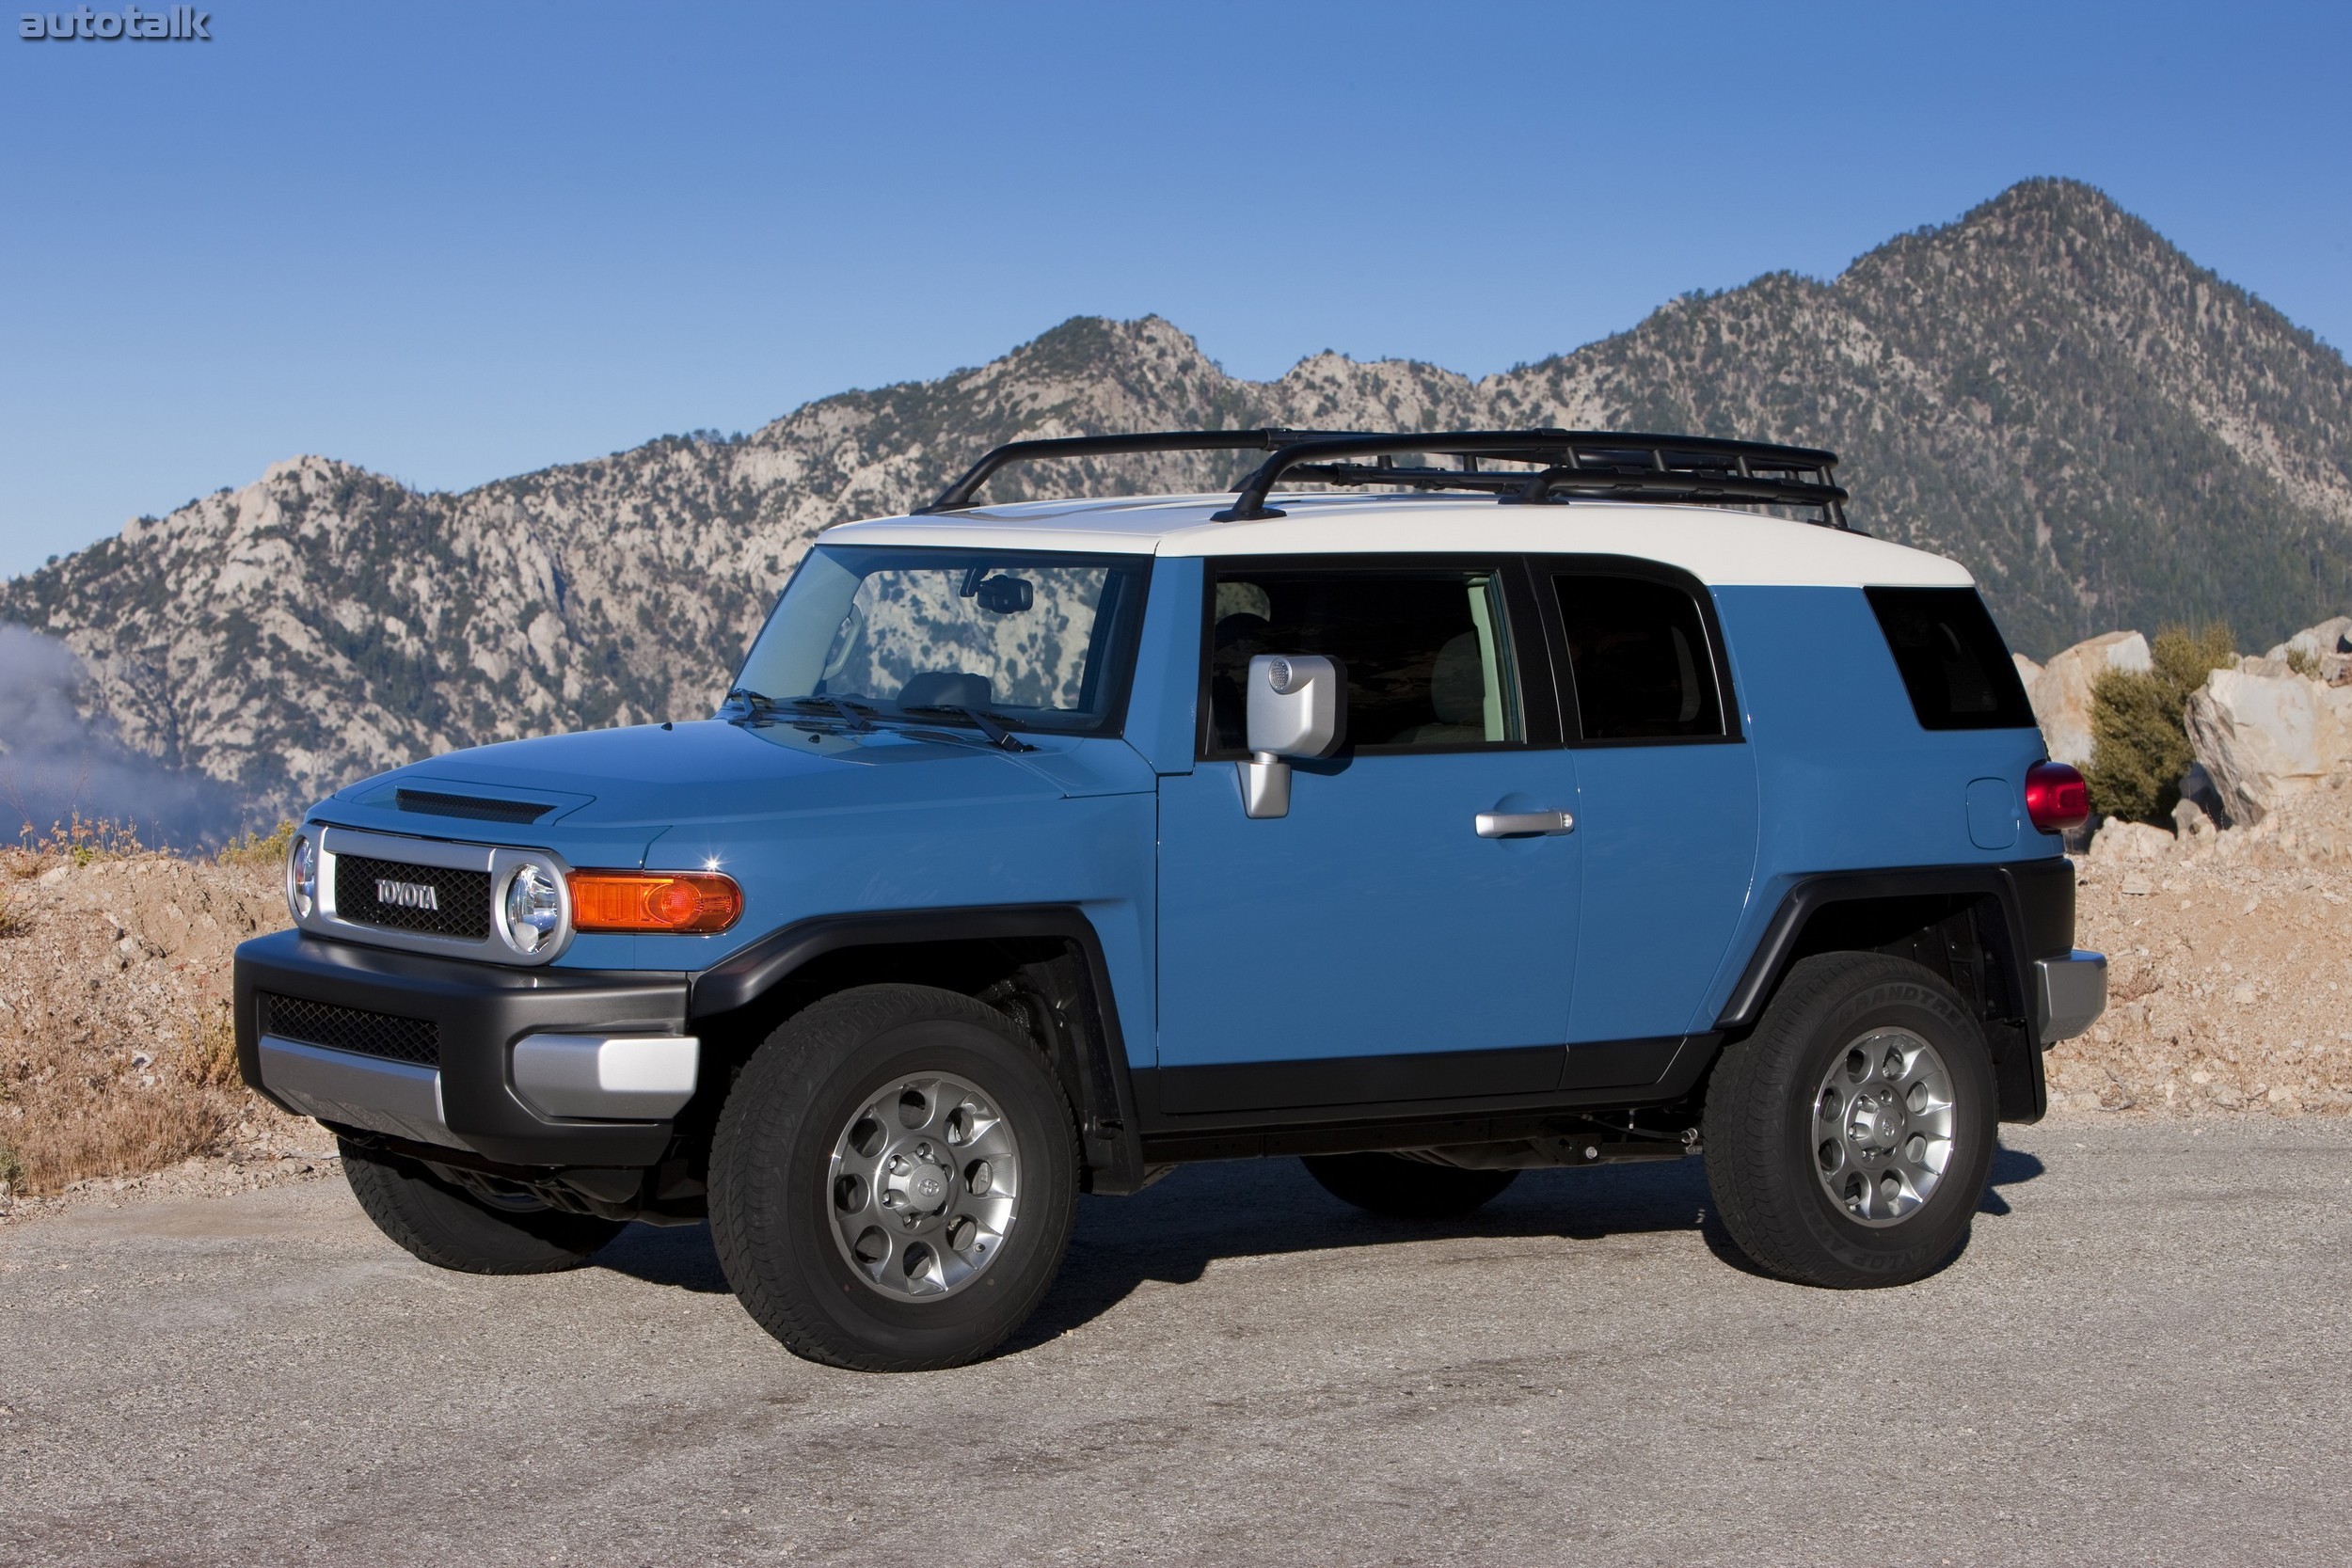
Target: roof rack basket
[1553, 465]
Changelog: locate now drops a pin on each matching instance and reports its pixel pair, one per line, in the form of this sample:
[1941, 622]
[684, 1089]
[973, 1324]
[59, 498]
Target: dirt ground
[116, 1061]
[2228, 995]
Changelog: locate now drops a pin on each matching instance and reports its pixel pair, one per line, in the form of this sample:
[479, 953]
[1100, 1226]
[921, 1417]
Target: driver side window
[1426, 652]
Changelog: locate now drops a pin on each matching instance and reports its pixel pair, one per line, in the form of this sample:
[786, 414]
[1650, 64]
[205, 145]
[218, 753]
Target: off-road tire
[450, 1228]
[771, 1193]
[1397, 1188]
[1761, 1133]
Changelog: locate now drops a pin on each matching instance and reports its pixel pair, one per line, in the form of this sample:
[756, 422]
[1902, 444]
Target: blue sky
[452, 242]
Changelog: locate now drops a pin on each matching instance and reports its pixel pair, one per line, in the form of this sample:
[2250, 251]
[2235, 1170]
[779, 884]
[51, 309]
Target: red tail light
[2055, 796]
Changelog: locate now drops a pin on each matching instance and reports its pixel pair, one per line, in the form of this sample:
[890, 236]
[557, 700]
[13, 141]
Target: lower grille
[435, 900]
[385, 1034]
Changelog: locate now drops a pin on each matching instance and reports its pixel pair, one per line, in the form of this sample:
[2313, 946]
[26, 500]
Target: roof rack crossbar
[960, 495]
[1571, 463]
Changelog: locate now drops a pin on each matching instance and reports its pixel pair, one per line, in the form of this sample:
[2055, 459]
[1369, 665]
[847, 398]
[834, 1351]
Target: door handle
[1521, 824]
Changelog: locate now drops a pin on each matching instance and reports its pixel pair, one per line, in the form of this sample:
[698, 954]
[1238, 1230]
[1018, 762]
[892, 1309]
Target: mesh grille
[431, 802]
[398, 1039]
[461, 899]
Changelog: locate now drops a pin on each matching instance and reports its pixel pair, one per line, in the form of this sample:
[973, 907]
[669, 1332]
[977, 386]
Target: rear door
[1668, 785]
[1370, 946]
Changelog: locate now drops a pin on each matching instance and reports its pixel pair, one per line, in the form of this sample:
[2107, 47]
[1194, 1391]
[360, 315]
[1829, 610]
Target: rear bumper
[537, 1066]
[2069, 993]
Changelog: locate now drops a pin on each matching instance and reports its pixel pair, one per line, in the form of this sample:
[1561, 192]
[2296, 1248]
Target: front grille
[394, 1039]
[433, 802]
[460, 900]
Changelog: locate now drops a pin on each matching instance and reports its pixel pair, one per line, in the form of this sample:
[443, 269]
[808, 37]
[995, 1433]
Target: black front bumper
[478, 1011]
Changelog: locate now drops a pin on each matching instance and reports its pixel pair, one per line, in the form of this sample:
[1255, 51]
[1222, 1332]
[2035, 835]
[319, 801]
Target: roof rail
[1592, 465]
[1587, 464]
[959, 495]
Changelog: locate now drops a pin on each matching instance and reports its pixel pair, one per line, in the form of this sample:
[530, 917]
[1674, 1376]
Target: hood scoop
[476, 808]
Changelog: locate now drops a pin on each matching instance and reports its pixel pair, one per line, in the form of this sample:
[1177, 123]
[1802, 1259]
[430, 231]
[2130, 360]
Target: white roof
[1718, 546]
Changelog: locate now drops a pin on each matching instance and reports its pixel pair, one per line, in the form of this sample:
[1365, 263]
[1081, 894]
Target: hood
[639, 780]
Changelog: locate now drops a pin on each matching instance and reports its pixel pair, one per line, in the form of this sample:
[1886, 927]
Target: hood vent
[431, 802]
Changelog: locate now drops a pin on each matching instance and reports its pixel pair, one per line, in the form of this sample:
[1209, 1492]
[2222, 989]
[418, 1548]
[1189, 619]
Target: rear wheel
[452, 1228]
[1399, 1188]
[894, 1180]
[1850, 1138]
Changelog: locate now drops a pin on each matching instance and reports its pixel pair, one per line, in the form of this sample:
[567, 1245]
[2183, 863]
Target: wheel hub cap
[1882, 1126]
[924, 1185]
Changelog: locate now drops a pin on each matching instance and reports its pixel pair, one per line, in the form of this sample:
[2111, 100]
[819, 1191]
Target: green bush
[2138, 724]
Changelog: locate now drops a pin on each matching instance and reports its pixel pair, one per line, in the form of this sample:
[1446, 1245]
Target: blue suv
[1432, 807]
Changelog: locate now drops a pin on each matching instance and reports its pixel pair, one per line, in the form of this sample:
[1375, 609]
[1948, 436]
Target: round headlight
[533, 910]
[302, 876]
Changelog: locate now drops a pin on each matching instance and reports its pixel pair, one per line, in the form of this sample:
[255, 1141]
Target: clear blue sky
[452, 242]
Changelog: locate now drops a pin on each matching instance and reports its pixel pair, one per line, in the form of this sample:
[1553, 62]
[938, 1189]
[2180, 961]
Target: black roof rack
[1567, 464]
[960, 494]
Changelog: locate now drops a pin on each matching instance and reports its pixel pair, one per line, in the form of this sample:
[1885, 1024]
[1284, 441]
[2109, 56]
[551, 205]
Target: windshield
[1017, 638]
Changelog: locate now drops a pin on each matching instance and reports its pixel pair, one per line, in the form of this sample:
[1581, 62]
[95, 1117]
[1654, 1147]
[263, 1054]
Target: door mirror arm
[1297, 707]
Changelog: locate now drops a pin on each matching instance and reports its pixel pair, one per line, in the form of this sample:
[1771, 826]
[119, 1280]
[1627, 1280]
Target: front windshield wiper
[855, 715]
[986, 724]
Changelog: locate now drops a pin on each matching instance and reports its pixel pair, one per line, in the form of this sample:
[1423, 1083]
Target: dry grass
[117, 1055]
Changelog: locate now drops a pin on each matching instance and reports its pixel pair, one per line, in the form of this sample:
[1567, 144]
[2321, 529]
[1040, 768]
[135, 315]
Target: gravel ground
[2139, 1358]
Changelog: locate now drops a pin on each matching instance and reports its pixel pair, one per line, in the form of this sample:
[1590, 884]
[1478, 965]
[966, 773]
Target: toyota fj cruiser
[1434, 807]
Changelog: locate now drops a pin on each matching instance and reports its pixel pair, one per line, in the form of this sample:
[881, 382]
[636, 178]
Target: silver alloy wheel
[1882, 1126]
[924, 1185]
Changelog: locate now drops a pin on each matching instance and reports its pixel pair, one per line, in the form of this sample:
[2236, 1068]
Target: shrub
[264, 851]
[2139, 724]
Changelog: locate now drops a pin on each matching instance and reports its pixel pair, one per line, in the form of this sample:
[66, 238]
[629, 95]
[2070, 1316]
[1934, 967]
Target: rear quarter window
[1953, 661]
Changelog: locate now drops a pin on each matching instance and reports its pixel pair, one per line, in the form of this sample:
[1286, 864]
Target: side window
[1426, 652]
[1639, 655]
[1953, 662]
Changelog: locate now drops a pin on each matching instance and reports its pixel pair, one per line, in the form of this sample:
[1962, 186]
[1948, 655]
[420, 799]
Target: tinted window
[1639, 655]
[1426, 653]
[1953, 661]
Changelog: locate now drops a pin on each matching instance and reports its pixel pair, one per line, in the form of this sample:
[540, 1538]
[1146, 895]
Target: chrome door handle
[1517, 824]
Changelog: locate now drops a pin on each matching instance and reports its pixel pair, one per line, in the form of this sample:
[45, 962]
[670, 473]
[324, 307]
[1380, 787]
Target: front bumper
[524, 1067]
[2069, 993]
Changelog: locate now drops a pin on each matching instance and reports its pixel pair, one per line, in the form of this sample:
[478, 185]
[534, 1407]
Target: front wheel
[894, 1180]
[450, 1228]
[1850, 1138]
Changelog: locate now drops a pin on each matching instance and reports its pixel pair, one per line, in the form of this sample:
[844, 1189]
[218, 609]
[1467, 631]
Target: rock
[2061, 694]
[2128, 841]
[2191, 821]
[2263, 739]
[2027, 671]
[2328, 646]
[2137, 885]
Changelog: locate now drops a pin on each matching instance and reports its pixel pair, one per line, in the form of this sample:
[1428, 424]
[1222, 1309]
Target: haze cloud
[55, 762]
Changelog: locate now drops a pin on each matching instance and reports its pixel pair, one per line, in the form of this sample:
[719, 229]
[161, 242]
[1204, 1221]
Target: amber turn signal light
[694, 902]
[2055, 796]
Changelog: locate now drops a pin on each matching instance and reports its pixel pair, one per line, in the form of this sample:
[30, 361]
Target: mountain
[2106, 433]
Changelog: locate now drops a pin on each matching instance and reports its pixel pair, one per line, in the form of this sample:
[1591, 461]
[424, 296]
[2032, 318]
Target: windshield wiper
[855, 715]
[986, 724]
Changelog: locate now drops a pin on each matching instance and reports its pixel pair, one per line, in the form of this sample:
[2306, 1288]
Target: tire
[1824, 1128]
[1394, 1187]
[453, 1230]
[841, 1188]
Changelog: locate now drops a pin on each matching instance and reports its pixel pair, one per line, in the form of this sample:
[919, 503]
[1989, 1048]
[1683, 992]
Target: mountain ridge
[2103, 432]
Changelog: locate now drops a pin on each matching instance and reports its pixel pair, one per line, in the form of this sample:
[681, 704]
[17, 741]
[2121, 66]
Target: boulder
[2263, 739]
[2120, 841]
[2326, 648]
[2061, 694]
[2027, 671]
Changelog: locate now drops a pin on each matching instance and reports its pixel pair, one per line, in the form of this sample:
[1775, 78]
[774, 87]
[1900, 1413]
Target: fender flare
[1107, 1121]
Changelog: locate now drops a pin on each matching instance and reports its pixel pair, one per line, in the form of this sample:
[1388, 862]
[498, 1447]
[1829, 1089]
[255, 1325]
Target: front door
[1370, 946]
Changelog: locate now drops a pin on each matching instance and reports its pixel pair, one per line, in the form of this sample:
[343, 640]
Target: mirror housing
[1296, 707]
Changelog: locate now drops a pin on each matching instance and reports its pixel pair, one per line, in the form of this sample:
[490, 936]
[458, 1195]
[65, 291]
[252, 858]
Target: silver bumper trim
[606, 1077]
[2069, 993]
[398, 1098]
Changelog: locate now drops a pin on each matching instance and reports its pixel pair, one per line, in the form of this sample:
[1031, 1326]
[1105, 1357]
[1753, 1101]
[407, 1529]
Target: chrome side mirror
[1297, 707]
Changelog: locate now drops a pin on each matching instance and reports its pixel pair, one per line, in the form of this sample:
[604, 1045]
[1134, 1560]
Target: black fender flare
[2036, 902]
[1107, 1121]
